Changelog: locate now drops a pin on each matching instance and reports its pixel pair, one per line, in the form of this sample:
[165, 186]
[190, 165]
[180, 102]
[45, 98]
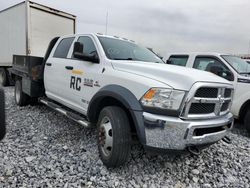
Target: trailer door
[44, 26]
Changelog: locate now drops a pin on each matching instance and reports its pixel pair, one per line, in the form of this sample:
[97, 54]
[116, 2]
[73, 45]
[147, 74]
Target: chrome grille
[201, 108]
[228, 93]
[206, 92]
[225, 106]
[207, 101]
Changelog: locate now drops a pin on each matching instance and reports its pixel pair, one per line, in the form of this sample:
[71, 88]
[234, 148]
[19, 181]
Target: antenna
[107, 16]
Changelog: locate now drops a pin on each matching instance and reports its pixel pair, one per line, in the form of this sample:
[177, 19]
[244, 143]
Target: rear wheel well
[110, 101]
[244, 110]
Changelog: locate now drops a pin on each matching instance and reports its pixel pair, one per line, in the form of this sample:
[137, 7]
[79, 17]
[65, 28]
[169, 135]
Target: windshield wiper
[245, 73]
[130, 59]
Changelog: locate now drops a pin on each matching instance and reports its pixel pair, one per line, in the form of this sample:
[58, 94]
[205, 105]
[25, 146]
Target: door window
[213, 65]
[88, 46]
[178, 60]
[63, 48]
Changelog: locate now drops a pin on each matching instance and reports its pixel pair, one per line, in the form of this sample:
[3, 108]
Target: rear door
[56, 71]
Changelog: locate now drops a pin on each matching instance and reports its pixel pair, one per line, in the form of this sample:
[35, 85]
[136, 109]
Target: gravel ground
[44, 149]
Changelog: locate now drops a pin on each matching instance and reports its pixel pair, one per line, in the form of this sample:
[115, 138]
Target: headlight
[166, 99]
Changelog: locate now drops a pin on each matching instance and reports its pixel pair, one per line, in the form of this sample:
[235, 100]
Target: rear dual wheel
[21, 98]
[114, 136]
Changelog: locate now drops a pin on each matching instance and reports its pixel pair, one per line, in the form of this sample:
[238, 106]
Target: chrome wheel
[106, 136]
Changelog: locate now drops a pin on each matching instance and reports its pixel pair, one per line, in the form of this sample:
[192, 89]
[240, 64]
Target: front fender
[127, 99]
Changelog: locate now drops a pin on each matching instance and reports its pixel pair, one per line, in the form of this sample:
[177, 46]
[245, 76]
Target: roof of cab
[98, 35]
[197, 53]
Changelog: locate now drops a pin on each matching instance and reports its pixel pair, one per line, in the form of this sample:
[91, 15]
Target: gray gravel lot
[44, 149]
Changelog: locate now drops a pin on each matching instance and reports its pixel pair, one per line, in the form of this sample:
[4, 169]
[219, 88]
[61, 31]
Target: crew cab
[229, 67]
[126, 90]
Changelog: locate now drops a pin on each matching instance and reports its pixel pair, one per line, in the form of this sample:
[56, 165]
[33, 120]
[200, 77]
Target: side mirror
[78, 53]
[2, 115]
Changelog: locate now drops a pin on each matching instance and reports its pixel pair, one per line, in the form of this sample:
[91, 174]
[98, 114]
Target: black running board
[73, 116]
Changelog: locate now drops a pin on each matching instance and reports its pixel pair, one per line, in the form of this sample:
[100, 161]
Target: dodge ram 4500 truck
[124, 89]
[232, 68]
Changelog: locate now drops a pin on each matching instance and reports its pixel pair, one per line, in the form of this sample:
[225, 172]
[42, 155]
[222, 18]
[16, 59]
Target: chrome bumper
[173, 133]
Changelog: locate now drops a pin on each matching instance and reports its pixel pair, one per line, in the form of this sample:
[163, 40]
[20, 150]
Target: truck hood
[177, 77]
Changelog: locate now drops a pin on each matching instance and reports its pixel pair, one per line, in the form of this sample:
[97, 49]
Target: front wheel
[247, 120]
[21, 98]
[114, 136]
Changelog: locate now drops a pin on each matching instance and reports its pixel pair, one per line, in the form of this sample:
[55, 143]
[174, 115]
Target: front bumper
[173, 133]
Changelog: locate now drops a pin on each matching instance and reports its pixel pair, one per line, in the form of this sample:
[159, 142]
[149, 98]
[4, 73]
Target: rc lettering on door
[75, 83]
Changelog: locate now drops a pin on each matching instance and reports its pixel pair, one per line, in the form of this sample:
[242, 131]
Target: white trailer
[26, 29]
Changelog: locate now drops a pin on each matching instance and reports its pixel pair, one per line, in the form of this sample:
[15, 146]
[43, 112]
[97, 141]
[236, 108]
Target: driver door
[85, 77]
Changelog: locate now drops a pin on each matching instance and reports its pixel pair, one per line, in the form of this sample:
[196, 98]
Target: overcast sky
[165, 25]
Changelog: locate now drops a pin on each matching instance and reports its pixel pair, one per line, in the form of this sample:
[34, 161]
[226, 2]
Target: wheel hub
[105, 136]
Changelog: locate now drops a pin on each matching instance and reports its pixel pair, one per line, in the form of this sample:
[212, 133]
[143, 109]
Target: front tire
[3, 77]
[247, 120]
[114, 136]
[21, 98]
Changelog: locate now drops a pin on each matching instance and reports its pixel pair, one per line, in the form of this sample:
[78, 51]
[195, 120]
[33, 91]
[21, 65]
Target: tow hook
[227, 140]
[194, 150]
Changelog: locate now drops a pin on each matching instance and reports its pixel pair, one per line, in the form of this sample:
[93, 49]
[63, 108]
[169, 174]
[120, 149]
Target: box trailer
[26, 29]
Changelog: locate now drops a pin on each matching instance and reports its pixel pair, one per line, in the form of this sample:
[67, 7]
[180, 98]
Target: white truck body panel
[28, 27]
[12, 33]
[44, 26]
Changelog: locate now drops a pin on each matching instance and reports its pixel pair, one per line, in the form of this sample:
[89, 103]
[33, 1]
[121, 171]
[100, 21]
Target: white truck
[232, 68]
[126, 89]
[27, 28]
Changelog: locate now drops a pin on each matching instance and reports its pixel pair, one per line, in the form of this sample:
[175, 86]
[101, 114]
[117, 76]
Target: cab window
[63, 47]
[88, 46]
[178, 60]
[213, 65]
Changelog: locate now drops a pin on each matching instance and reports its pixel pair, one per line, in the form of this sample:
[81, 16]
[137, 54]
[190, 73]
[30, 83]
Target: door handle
[69, 67]
[48, 64]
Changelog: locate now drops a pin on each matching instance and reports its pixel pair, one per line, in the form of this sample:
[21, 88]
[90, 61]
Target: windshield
[237, 63]
[116, 49]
